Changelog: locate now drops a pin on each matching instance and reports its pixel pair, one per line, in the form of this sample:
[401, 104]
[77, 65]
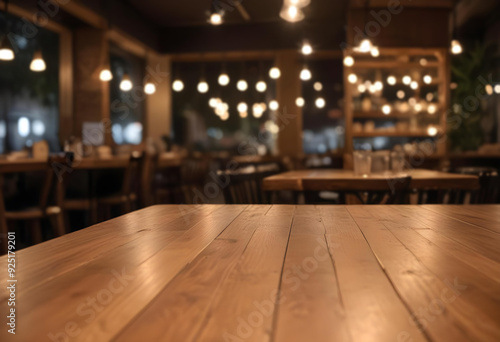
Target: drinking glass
[397, 161]
[362, 162]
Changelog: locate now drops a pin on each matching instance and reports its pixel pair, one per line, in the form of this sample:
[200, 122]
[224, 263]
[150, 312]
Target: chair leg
[58, 225]
[36, 231]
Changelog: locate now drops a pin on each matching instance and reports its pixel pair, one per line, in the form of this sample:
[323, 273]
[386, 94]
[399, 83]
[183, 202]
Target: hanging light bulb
[203, 86]
[242, 107]
[257, 110]
[306, 48]
[378, 85]
[223, 79]
[243, 115]
[427, 79]
[105, 75]
[320, 102]
[300, 102]
[274, 105]
[275, 73]
[305, 74]
[386, 109]
[242, 85]
[38, 64]
[126, 83]
[318, 86]
[261, 86]
[150, 88]
[6, 50]
[391, 80]
[364, 46]
[178, 85]
[361, 88]
[432, 131]
[414, 85]
[352, 78]
[400, 94]
[406, 80]
[456, 47]
[292, 14]
[348, 61]
[375, 51]
[213, 102]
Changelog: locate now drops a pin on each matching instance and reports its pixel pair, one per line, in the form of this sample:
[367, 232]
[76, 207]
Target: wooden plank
[99, 241]
[373, 308]
[66, 301]
[480, 240]
[442, 302]
[437, 307]
[311, 307]
[484, 216]
[186, 300]
[244, 305]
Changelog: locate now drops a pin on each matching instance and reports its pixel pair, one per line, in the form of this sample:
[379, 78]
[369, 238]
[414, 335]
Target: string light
[391, 80]
[300, 102]
[386, 109]
[203, 87]
[178, 85]
[320, 102]
[406, 80]
[427, 79]
[305, 74]
[352, 78]
[242, 85]
[261, 86]
[274, 105]
[275, 73]
[348, 61]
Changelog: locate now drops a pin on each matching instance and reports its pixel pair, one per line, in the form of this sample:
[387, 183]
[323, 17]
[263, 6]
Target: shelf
[375, 114]
[397, 65]
[379, 133]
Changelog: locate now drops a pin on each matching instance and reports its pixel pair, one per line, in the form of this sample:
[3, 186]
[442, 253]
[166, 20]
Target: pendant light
[37, 63]
[150, 88]
[456, 46]
[6, 50]
[297, 3]
[223, 77]
[306, 48]
[126, 83]
[105, 75]
[177, 84]
[261, 85]
[292, 14]
[305, 73]
[366, 45]
[203, 85]
[242, 84]
[275, 72]
[216, 14]
[348, 61]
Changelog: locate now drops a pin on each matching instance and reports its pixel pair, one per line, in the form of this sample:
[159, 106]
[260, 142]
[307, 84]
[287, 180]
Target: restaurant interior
[212, 146]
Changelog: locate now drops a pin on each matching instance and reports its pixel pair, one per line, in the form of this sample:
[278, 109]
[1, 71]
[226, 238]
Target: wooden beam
[83, 13]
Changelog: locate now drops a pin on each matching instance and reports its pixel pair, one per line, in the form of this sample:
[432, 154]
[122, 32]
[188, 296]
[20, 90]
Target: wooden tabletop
[338, 179]
[265, 273]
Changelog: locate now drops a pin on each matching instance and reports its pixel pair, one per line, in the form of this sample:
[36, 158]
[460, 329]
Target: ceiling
[194, 12]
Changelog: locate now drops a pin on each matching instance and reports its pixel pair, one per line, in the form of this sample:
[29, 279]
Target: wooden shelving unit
[399, 62]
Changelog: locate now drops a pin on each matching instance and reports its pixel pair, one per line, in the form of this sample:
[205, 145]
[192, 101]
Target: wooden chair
[489, 182]
[245, 184]
[95, 202]
[34, 214]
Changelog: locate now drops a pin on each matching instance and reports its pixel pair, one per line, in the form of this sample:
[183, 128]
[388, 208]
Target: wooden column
[91, 96]
[289, 119]
[158, 105]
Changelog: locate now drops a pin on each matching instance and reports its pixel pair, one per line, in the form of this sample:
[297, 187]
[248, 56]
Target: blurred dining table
[340, 180]
[263, 273]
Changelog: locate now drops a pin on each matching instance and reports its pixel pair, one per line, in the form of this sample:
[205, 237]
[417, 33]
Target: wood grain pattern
[266, 273]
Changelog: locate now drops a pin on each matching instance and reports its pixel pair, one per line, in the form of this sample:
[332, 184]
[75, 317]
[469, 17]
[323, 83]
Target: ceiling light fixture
[38, 64]
[105, 75]
[292, 14]
[6, 50]
[126, 83]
